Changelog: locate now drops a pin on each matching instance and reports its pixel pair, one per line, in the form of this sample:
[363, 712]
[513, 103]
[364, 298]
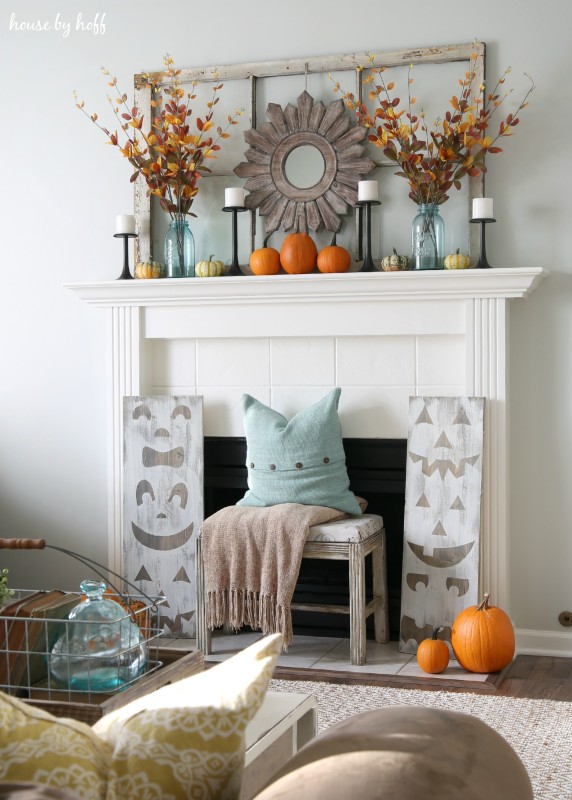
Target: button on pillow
[297, 461]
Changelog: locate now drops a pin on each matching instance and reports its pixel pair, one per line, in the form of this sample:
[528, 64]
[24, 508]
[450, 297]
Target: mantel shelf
[351, 287]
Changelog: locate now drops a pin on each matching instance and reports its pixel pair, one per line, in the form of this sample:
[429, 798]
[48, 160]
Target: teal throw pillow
[300, 461]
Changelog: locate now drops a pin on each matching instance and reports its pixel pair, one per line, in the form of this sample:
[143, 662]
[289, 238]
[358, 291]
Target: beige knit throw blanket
[251, 561]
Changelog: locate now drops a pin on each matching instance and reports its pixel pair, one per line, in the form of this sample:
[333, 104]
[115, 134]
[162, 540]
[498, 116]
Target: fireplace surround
[288, 339]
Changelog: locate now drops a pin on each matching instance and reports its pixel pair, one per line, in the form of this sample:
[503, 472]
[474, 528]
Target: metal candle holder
[125, 275]
[234, 267]
[483, 263]
[368, 265]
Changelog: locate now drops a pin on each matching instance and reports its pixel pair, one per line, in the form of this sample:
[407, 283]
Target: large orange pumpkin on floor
[298, 254]
[482, 638]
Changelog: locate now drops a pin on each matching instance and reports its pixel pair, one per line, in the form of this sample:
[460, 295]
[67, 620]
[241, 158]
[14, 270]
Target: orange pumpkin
[298, 254]
[482, 638]
[433, 653]
[333, 258]
[266, 260]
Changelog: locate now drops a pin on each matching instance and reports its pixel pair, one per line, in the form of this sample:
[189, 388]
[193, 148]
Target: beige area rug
[540, 731]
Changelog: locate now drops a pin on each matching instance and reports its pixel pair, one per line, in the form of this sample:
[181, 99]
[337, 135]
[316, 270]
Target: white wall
[61, 189]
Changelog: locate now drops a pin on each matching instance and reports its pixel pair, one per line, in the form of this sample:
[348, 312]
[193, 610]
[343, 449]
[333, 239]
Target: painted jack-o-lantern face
[163, 500]
[442, 515]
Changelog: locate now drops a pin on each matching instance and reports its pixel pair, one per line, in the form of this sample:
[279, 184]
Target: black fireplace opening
[376, 468]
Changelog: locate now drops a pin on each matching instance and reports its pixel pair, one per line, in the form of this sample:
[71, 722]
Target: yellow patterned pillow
[35, 746]
[187, 739]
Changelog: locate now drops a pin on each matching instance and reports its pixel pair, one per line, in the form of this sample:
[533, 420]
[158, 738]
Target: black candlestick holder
[234, 266]
[125, 275]
[368, 265]
[482, 262]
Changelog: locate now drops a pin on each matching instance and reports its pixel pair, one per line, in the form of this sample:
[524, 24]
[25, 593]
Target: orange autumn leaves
[171, 153]
[435, 160]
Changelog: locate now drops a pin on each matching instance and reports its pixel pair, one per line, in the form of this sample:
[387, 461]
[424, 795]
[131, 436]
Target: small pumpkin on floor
[433, 653]
[482, 638]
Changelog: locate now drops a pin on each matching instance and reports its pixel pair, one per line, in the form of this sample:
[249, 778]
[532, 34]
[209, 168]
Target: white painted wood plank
[442, 514]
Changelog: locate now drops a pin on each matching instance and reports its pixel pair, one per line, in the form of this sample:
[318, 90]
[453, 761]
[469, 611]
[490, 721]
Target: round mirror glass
[304, 166]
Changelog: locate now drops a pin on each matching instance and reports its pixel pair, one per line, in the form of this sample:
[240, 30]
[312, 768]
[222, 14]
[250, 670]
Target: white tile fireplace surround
[288, 339]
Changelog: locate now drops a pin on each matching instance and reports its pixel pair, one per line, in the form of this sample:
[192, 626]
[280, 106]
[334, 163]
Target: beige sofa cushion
[404, 753]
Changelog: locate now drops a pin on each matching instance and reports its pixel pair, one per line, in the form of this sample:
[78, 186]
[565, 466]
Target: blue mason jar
[179, 249]
[428, 238]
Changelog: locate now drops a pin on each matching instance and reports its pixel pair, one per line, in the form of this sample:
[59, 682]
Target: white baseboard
[543, 643]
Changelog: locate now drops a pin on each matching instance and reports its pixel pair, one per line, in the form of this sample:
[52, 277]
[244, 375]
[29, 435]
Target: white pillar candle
[125, 223]
[483, 208]
[367, 191]
[234, 198]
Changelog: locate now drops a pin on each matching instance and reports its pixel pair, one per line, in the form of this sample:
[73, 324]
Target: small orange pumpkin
[482, 638]
[433, 653]
[266, 260]
[334, 258]
[298, 254]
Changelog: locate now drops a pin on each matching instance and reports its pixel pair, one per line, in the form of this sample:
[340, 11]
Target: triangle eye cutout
[142, 575]
[457, 504]
[439, 530]
[423, 502]
[443, 441]
[461, 418]
[424, 417]
[182, 576]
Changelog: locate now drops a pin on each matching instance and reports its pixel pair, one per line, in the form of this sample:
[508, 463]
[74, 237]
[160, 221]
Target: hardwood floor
[538, 677]
[534, 677]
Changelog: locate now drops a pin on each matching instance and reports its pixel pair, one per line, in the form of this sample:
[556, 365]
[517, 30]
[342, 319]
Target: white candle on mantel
[367, 191]
[483, 208]
[234, 198]
[125, 223]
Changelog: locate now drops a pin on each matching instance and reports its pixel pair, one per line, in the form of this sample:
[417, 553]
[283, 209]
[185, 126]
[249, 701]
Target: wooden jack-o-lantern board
[163, 502]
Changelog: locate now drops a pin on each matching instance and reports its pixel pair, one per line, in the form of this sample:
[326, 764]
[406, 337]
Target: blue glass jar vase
[101, 649]
[428, 238]
[179, 249]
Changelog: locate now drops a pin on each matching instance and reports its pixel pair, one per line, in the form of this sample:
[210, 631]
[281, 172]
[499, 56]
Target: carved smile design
[442, 556]
[169, 542]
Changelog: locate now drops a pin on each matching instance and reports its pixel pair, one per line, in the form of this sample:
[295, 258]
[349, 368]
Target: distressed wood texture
[309, 118]
[352, 552]
[163, 502]
[442, 514]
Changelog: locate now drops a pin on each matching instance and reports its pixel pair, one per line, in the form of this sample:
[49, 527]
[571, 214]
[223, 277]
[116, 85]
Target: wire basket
[26, 643]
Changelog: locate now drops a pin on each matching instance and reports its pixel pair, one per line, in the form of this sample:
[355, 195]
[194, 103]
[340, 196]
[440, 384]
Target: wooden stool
[348, 540]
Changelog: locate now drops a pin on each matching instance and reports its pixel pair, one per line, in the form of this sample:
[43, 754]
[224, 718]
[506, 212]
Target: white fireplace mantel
[470, 303]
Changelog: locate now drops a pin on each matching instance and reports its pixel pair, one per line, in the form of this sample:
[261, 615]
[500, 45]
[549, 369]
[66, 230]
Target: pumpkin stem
[266, 238]
[333, 243]
[484, 603]
[458, 251]
[436, 631]
[394, 251]
[210, 258]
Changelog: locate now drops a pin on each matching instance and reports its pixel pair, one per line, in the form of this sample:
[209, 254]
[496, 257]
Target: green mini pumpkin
[395, 262]
[209, 268]
[149, 269]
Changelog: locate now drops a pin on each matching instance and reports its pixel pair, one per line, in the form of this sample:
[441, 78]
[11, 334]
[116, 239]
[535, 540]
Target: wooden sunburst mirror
[331, 132]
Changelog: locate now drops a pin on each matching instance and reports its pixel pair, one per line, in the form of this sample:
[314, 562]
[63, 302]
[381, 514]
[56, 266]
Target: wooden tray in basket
[91, 707]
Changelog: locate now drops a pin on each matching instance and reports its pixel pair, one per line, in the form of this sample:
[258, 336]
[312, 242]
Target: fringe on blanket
[239, 607]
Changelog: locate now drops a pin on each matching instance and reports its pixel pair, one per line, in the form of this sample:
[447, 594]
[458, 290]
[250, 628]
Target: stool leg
[357, 604]
[203, 633]
[379, 570]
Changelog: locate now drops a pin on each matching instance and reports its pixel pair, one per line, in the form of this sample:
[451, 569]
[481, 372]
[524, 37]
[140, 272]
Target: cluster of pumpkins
[298, 255]
[482, 639]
